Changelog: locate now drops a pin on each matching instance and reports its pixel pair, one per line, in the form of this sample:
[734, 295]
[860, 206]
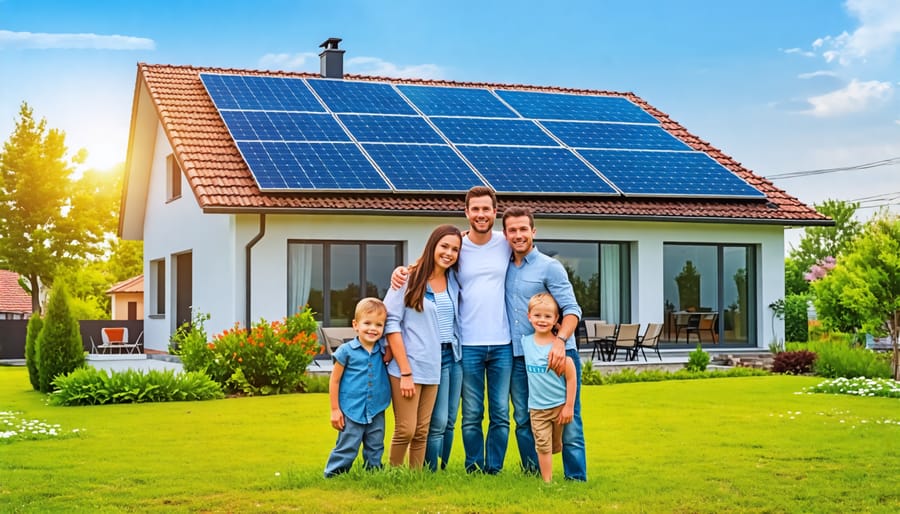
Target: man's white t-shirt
[482, 281]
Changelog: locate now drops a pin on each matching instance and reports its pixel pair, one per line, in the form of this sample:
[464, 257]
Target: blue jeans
[371, 436]
[573, 452]
[518, 393]
[446, 407]
[491, 364]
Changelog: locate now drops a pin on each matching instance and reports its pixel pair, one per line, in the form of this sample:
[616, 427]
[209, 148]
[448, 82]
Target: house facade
[214, 242]
[15, 302]
[127, 299]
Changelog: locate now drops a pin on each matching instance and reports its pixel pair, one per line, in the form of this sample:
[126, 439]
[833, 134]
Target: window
[173, 178]
[327, 276]
[600, 273]
[158, 285]
[710, 278]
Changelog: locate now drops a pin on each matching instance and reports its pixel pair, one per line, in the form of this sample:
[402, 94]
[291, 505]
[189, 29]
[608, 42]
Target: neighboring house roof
[131, 285]
[12, 297]
[221, 181]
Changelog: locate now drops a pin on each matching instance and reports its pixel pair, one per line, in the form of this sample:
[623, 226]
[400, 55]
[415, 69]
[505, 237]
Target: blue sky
[780, 86]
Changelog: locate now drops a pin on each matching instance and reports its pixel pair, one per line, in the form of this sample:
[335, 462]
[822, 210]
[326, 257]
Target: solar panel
[259, 93]
[534, 170]
[360, 97]
[423, 167]
[669, 174]
[614, 135]
[390, 129]
[319, 166]
[456, 101]
[493, 131]
[558, 106]
[342, 135]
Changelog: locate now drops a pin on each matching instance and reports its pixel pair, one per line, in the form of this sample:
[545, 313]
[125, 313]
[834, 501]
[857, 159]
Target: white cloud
[41, 40]
[380, 67]
[878, 31]
[819, 73]
[799, 51]
[855, 97]
[301, 61]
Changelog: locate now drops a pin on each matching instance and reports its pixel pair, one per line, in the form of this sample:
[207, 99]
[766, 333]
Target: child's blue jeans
[371, 436]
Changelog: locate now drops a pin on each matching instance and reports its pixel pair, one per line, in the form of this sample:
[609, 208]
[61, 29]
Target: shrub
[698, 360]
[31, 350]
[191, 334]
[90, 386]
[589, 376]
[794, 363]
[60, 350]
[840, 360]
[270, 358]
[796, 325]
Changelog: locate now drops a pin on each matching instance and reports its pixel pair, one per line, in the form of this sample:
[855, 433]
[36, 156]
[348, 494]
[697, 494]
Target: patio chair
[687, 322]
[600, 335]
[650, 339]
[111, 338]
[336, 336]
[626, 339]
[706, 322]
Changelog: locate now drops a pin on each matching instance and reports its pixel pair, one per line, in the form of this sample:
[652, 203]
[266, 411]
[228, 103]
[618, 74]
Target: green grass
[718, 445]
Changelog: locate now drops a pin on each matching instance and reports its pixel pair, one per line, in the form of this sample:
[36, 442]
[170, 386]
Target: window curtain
[300, 256]
[610, 283]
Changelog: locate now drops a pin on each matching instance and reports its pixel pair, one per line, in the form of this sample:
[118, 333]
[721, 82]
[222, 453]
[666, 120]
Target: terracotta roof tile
[12, 297]
[130, 285]
[221, 181]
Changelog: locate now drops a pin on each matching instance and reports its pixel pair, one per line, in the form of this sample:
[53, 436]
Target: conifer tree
[59, 344]
[35, 324]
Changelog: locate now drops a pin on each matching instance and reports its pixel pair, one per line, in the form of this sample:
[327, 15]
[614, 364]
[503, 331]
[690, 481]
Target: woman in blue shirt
[422, 322]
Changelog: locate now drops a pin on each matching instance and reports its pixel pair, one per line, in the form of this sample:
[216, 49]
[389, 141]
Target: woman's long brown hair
[418, 275]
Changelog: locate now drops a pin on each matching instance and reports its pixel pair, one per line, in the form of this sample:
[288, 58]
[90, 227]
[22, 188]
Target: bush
[90, 386]
[698, 360]
[589, 376]
[840, 360]
[59, 346]
[270, 358]
[31, 350]
[191, 334]
[796, 324]
[794, 363]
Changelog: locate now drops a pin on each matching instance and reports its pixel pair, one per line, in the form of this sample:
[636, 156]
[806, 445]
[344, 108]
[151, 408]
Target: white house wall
[179, 226]
[269, 258]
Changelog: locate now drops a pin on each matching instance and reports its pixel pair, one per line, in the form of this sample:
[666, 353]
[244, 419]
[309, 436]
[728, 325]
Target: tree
[32, 355]
[47, 216]
[794, 283]
[864, 287]
[59, 344]
[818, 243]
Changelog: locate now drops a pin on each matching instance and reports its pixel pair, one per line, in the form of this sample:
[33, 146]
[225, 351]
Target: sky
[781, 86]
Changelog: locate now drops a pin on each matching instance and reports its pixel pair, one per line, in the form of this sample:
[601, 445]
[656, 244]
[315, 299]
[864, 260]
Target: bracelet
[406, 374]
[561, 338]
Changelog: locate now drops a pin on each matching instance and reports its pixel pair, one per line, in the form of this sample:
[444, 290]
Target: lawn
[718, 445]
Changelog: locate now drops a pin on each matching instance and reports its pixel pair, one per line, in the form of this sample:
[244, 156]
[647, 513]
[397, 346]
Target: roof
[131, 285]
[221, 181]
[12, 297]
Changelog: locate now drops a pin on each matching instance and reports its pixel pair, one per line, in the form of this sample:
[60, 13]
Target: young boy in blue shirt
[551, 398]
[359, 391]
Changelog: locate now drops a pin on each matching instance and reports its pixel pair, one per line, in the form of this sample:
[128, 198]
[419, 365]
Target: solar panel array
[337, 135]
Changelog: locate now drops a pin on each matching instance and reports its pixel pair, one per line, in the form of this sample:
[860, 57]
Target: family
[479, 312]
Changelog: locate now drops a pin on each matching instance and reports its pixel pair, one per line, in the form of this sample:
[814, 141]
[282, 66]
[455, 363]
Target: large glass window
[327, 275]
[600, 274]
[708, 294]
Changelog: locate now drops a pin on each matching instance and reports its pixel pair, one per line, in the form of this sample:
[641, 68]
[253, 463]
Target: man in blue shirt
[531, 272]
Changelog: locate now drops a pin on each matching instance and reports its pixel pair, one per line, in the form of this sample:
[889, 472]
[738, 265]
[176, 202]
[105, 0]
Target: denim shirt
[365, 391]
[538, 273]
[421, 332]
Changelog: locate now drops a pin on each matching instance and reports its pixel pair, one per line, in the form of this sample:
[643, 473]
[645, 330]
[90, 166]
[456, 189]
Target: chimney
[332, 59]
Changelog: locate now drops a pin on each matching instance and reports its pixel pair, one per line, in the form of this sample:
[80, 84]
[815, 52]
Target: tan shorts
[547, 432]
